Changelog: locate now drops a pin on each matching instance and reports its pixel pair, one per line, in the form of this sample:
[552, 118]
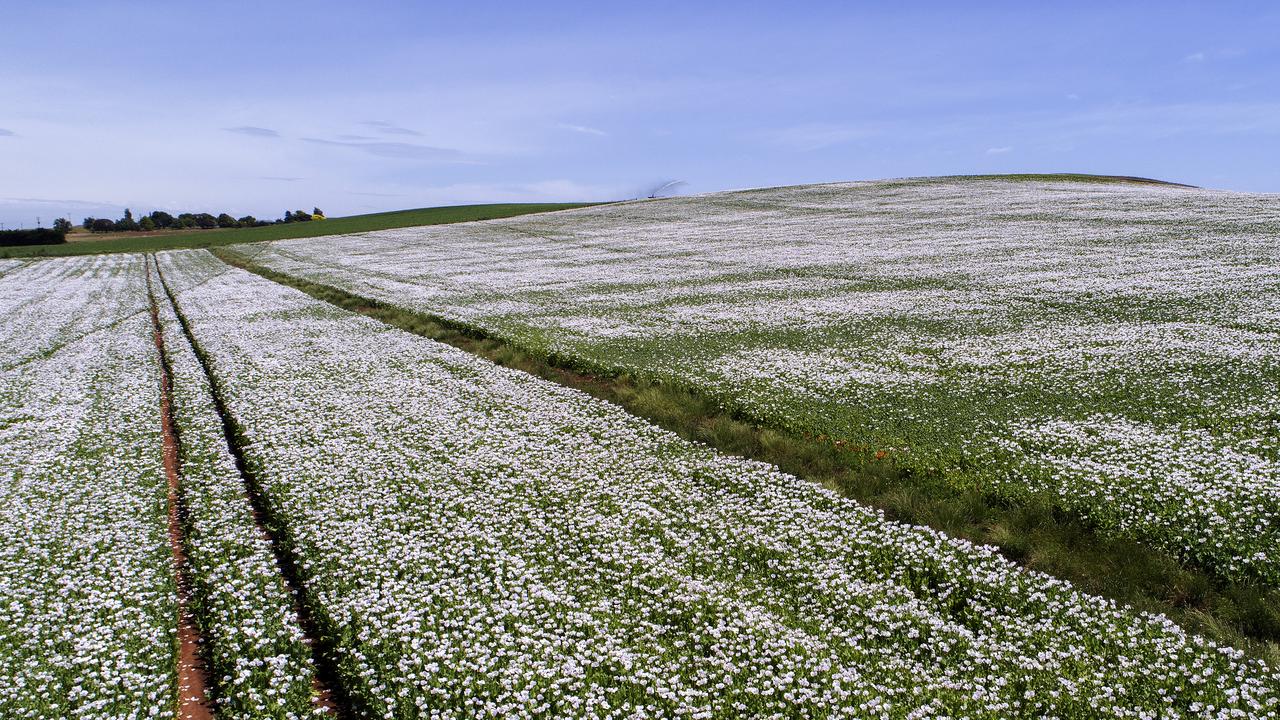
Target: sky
[259, 107]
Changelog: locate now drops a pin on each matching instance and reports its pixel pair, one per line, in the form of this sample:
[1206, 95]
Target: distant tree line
[161, 220]
[38, 236]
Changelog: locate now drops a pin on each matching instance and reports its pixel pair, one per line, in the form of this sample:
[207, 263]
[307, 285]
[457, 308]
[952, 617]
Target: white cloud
[253, 131]
[388, 128]
[1147, 121]
[22, 212]
[999, 150]
[1194, 57]
[398, 150]
[582, 129]
[397, 196]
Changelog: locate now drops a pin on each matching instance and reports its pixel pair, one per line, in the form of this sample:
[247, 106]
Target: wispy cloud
[816, 136]
[387, 128]
[999, 150]
[400, 150]
[279, 178]
[546, 190]
[6, 133]
[1167, 120]
[56, 202]
[582, 129]
[1195, 57]
[252, 131]
[356, 137]
[376, 194]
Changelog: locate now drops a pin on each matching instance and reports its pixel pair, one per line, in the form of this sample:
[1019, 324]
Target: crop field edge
[204, 239]
[1055, 177]
[446, 214]
[1035, 534]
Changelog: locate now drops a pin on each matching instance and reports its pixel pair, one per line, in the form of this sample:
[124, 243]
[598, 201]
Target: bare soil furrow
[328, 695]
[193, 675]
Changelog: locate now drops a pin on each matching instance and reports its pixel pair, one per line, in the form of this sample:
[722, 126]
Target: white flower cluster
[259, 664]
[482, 543]
[88, 602]
[9, 264]
[1217, 482]
[940, 318]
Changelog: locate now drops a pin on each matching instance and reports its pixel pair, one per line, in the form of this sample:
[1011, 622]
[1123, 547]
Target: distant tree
[38, 236]
[300, 216]
[186, 220]
[226, 221]
[88, 223]
[317, 214]
[62, 225]
[205, 221]
[248, 221]
[162, 219]
[103, 225]
[288, 216]
[126, 223]
[146, 223]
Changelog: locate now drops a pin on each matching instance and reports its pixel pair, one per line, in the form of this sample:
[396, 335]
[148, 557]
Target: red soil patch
[193, 675]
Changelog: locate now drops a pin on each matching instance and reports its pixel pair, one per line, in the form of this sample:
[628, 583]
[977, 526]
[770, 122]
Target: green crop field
[331, 226]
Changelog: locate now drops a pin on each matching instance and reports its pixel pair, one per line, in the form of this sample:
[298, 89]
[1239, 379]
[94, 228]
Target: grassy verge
[1079, 177]
[331, 226]
[1034, 534]
[1041, 177]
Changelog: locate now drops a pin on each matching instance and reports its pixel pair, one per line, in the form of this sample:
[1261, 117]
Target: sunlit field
[1110, 345]
[358, 517]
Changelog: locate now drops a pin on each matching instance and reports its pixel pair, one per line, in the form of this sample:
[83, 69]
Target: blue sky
[255, 107]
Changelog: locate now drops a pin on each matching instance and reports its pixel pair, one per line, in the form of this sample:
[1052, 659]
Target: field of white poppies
[480, 541]
[88, 612]
[87, 599]
[1112, 346]
[433, 535]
